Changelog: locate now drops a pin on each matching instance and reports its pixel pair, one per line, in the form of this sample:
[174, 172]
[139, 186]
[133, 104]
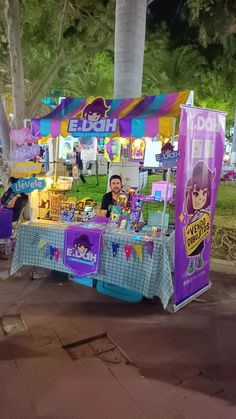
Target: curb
[223, 266]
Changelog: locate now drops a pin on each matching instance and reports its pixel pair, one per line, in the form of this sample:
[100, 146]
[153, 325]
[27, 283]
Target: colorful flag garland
[128, 250]
[115, 248]
[139, 251]
[35, 239]
[137, 248]
[45, 248]
[150, 247]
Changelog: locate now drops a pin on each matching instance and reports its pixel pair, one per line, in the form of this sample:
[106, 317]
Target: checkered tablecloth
[151, 277]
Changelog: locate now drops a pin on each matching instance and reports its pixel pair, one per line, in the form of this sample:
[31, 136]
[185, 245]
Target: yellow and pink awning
[137, 117]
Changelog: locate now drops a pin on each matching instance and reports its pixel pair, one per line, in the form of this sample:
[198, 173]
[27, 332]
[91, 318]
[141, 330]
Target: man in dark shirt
[109, 199]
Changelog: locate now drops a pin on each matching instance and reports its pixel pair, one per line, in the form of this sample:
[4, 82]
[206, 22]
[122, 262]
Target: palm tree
[130, 29]
[168, 70]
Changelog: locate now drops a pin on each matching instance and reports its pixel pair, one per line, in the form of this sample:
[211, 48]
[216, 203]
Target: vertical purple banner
[82, 249]
[201, 146]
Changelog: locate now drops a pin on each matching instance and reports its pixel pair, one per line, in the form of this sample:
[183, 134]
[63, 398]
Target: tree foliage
[68, 46]
[216, 19]
[92, 78]
[167, 69]
[57, 35]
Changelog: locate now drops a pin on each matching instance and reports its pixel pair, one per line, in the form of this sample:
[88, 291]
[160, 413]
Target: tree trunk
[4, 131]
[12, 14]
[130, 31]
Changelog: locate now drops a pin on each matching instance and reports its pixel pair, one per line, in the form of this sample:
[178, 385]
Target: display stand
[200, 148]
[173, 308]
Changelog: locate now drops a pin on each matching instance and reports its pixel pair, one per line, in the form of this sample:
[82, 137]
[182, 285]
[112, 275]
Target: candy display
[127, 214]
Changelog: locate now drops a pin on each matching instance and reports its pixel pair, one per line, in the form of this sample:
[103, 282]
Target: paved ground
[183, 366]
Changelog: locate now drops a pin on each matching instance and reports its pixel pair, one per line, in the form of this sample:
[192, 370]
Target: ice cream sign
[93, 120]
[24, 185]
[25, 152]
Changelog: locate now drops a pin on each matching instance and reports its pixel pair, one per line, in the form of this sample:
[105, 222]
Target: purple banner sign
[25, 152]
[93, 119]
[82, 250]
[201, 147]
[83, 127]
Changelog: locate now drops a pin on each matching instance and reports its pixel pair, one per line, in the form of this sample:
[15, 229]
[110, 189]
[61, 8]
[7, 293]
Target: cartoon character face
[198, 188]
[82, 249]
[199, 198]
[95, 110]
[82, 244]
[93, 116]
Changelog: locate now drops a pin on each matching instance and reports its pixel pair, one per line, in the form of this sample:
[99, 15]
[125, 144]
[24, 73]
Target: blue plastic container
[119, 292]
[88, 281]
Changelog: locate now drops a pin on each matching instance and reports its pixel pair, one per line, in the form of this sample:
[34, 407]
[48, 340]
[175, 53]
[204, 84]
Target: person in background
[46, 159]
[14, 201]
[110, 198]
[79, 163]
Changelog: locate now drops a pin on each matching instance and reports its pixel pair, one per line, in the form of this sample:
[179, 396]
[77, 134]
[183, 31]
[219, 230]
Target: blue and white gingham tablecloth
[151, 277]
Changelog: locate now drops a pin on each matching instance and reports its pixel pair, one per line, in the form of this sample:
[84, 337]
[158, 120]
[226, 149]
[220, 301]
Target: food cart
[122, 256]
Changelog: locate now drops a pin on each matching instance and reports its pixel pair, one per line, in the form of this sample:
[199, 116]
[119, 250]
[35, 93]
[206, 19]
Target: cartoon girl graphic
[82, 244]
[95, 110]
[137, 149]
[198, 203]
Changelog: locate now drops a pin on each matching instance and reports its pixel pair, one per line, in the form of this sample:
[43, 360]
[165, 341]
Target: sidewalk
[180, 366]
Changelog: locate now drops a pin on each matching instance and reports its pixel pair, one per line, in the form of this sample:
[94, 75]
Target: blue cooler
[88, 281]
[119, 292]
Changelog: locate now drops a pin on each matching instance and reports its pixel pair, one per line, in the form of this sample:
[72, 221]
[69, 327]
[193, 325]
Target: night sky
[175, 14]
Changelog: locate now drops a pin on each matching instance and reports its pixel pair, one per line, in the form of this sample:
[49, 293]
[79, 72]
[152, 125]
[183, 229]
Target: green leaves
[170, 70]
[216, 19]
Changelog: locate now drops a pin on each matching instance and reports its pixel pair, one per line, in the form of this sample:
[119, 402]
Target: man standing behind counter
[109, 199]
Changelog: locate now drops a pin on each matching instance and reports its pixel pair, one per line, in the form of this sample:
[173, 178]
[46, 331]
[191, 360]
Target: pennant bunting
[35, 239]
[139, 251]
[47, 250]
[52, 252]
[150, 247]
[115, 248]
[128, 250]
[41, 244]
[104, 244]
[47, 216]
[57, 254]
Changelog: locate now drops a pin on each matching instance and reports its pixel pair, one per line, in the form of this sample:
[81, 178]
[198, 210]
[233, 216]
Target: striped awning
[137, 117]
